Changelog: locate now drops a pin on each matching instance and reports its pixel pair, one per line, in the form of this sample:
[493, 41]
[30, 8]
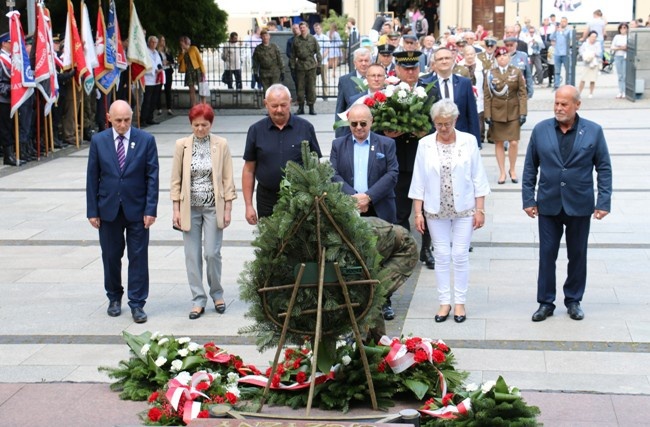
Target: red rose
[268, 371]
[382, 366]
[301, 377]
[231, 398]
[288, 353]
[420, 356]
[370, 102]
[154, 414]
[448, 399]
[442, 347]
[219, 399]
[203, 414]
[438, 356]
[153, 397]
[296, 363]
[202, 386]
[380, 97]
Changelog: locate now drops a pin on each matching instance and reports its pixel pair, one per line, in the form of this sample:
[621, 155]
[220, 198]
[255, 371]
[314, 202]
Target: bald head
[120, 114]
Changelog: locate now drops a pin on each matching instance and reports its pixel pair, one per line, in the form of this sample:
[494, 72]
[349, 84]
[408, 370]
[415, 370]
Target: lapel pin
[372, 148]
[132, 145]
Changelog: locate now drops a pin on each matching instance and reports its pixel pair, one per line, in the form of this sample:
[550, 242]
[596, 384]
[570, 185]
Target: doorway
[490, 14]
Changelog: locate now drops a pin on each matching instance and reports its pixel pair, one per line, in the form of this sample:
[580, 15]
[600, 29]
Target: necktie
[446, 83]
[121, 155]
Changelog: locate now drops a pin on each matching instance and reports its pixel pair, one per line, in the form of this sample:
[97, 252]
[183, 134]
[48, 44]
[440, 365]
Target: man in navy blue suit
[122, 200]
[565, 151]
[348, 88]
[366, 164]
[459, 89]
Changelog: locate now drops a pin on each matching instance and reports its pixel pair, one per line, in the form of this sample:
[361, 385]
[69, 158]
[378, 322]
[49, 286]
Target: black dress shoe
[575, 312]
[544, 311]
[387, 312]
[10, 160]
[139, 316]
[195, 314]
[114, 308]
[439, 318]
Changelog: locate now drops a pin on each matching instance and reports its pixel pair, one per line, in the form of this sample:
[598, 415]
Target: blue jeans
[619, 63]
[559, 61]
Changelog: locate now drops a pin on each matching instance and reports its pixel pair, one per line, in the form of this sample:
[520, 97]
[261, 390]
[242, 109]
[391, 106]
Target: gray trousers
[204, 224]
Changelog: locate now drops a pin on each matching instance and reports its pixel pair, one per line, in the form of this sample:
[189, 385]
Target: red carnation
[154, 414]
[268, 371]
[448, 399]
[442, 347]
[231, 398]
[280, 369]
[276, 381]
[370, 102]
[301, 377]
[380, 97]
[219, 399]
[429, 402]
[153, 397]
[296, 363]
[305, 351]
[420, 355]
[438, 356]
[203, 414]
[202, 386]
[382, 366]
[411, 343]
[288, 353]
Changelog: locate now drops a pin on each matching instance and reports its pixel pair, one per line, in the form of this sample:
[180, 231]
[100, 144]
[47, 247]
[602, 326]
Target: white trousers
[451, 240]
[204, 228]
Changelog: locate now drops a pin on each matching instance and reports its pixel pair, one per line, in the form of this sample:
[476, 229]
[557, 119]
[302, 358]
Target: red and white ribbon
[177, 389]
[450, 411]
[261, 381]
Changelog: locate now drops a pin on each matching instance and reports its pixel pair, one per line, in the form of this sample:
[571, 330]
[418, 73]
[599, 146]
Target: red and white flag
[73, 52]
[138, 53]
[45, 67]
[22, 76]
[87, 39]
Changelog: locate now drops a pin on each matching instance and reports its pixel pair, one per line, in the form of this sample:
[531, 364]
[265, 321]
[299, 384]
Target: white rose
[183, 352]
[183, 340]
[160, 361]
[420, 92]
[346, 360]
[156, 335]
[234, 390]
[193, 346]
[471, 387]
[163, 341]
[389, 91]
[401, 94]
[487, 386]
[404, 86]
[145, 349]
[232, 377]
[176, 365]
[392, 80]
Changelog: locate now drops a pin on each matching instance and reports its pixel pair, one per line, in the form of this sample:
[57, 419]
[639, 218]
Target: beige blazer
[222, 177]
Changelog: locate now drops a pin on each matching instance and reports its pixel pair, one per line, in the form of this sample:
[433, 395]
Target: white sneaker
[590, 96]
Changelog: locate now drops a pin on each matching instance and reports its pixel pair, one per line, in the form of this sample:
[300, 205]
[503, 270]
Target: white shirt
[150, 76]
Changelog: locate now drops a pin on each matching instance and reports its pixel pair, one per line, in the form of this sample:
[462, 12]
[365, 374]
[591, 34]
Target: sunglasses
[355, 124]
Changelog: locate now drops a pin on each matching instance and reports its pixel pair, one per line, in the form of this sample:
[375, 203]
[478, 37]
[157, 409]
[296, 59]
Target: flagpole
[38, 125]
[17, 138]
[51, 133]
[74, 104]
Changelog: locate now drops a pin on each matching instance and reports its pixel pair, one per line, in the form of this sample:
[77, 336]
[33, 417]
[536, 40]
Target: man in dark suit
[353, 40]
[366, 164]
[565, 151]
[459, 89]
[122, 197]
[348, 88]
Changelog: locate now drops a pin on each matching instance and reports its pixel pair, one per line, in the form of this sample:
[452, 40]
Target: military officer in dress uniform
[385, 58]
[520, 60]
[6, 123]
[487, 56]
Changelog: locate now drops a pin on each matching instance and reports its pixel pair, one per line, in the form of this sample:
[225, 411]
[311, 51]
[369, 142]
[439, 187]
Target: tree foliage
[200, 20]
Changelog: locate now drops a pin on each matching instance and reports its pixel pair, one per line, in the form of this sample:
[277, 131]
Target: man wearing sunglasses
[366, 165]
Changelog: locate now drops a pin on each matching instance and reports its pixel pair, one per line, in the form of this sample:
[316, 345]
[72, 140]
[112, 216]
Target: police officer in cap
[385, 57]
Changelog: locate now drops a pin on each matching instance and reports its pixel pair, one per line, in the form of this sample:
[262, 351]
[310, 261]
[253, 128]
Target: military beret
[410, 59]
[500, 51]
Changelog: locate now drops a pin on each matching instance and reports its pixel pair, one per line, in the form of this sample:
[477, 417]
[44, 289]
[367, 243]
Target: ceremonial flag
[120, 56]
[87, 39]
[138, 52]
[107, 74]
[73, 52]
[45, 68]
[22, 76]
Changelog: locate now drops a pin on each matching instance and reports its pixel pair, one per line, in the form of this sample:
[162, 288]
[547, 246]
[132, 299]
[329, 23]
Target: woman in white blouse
[619, 47]
[448, 189]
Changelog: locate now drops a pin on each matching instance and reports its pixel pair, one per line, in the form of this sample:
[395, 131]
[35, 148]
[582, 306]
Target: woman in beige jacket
[202, 190]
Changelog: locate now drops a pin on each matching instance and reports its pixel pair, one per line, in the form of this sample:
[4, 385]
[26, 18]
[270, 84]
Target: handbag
[204, 88]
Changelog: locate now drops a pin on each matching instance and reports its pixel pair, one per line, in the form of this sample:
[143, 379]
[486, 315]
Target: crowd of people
[477, 88]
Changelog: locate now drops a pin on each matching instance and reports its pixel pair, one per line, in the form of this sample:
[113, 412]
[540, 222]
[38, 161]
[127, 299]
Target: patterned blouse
[202, 188]
[447, 209]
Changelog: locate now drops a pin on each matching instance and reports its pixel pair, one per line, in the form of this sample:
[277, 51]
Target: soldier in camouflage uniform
[305, 59]
[399, 251]
[267, 62]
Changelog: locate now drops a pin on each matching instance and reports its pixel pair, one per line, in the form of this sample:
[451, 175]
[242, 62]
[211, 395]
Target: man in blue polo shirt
[270, 144]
